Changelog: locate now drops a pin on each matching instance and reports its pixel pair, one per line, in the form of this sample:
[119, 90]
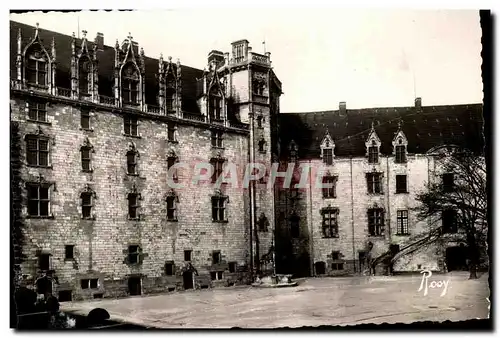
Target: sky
[367, 58]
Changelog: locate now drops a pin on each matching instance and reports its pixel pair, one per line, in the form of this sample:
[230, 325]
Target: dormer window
[327, 147]
[328, 156]
[36, 66]
[400, 143]
[170, 93]
[215, 105]
[84, 71]
[373, 146]
[400, 153]
[373, 153]
[130, 84]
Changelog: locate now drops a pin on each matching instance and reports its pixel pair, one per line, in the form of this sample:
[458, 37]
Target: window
[294, 226]
[36, 67]
[37, 111]
[329, 192]
[400, 154]
[85, 119]
[85, 152]
[38, 200]
[169, 93]
[328, 156]
[37, 151]
[402, 225]
[218, 167]
[187, 255]
[374, 182]
[169, 268]
[335, 255]
[44, 262]
[217, 139]
[171, 208]
[133, 206]
[171, 160]
[448, 182]
[262, 146]
[130, 85]
[171, 133]
[86, 205]
[216, 275]
[449, 219]
[376, 222]
[258, 87]
[373, 154]
[215, 105]
[69, 252]
[401, 184]
[132, 163]
[232, 267]
[133, 254]
[216, 257]
[330, 226]
[92, 283]
[84, 72]
[338, 266]
[259, 121]
[130, 125]
[218, 209]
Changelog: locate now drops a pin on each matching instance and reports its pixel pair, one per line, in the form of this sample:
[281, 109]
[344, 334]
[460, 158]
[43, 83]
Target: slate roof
[106, 65]
[425, 129]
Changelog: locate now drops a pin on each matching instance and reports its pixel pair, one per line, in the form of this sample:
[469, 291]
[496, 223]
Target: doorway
[187, 278]
[320, 268]
[134, 286]
[362, 261]
[456, 258]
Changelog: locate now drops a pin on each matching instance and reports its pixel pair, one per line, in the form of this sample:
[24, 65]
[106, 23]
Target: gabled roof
[106, 59]
[429, 127]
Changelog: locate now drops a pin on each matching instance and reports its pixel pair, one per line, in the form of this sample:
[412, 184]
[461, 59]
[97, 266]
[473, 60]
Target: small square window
[187, 255]
[171, 133]
[216, 257]
[85, 119]
[69, 252]
[335, 255]
[169, 268]
[85, 283]
[44, 262]
[232, 267]
[94, 283]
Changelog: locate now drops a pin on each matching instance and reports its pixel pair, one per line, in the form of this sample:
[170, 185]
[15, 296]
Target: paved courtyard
[314, 302]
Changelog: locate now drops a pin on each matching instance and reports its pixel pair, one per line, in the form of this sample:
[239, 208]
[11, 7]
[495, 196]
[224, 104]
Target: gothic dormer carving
[38, 64]
[169, 96]
[373, 144]
[129, 74]
[216, 100]
[327, 147]
[399, 145]
[84, 77]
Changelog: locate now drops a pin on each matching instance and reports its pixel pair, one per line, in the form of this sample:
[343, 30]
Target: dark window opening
[218, 208]
[130, 126]
[131, 163]
[328, 156]
[187, 255]
[335, 255]
[376, 222]
[337, 266]
[373, 154]
[449, 219]
[134, 286]
[65, 296]
[216, 275]
[215, 106]
[216, 257]
[85, 119]
[98, 295]
[402, 222]
[86, 205]
[320, 268]
[374, 183]
[85, 155]
[69, 251]
[171, 208]
[37, 111]
[37, 151]
[133, 206]
[172, 173]
[400, 154]
[38, 200]
[169, 100]
[94, 283]
[448, 182]
[259, 121]
[36, 68]
[44, 262]
[401, 184]
[330, 226]
[218, 168]
[232, 267]
[171, 133]
[169, 268]
[329, 192]
[84, 78]
[130, 85]
[133, 254]
[262, 146]
[216, 139]
[85, 283]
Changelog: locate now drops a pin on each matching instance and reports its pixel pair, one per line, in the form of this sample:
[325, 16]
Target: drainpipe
[311, 239]
[388, 201]
[252, 193]
[352, 216]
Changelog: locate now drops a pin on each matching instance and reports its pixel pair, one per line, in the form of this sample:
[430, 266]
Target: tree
[462, 194]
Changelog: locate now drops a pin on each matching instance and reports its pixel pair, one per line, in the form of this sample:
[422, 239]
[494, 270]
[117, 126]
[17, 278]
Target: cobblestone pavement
[314, 302]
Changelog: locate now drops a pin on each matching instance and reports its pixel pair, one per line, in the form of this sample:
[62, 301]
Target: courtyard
[314, 302]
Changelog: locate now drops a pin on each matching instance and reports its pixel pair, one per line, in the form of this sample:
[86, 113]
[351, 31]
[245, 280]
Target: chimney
[216, 58]
[342, 107]
[418, 103]
[99, 41]
[240, 50]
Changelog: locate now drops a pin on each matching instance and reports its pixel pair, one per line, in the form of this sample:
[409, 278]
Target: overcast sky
[368, 58]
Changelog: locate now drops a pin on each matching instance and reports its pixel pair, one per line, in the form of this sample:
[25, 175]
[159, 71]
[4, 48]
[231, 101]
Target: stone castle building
[95, 130]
